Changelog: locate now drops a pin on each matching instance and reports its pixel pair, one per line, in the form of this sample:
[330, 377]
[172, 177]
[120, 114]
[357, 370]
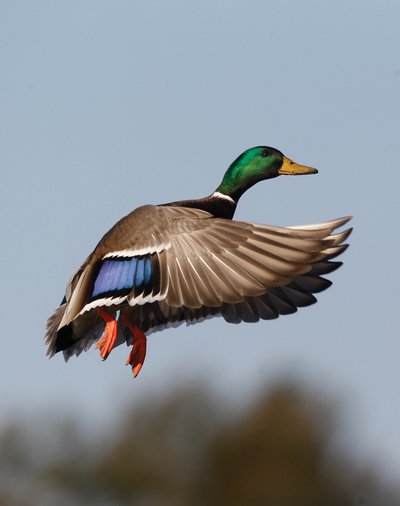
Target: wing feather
[213, 261]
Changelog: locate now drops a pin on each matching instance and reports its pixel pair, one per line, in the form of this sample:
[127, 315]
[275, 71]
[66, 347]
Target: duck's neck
[238, 179]
[217, 204]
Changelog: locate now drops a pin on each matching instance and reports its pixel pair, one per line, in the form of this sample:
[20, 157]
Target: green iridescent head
[257, 164]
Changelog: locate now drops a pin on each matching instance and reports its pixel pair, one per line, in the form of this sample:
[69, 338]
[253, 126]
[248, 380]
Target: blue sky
[105, 106]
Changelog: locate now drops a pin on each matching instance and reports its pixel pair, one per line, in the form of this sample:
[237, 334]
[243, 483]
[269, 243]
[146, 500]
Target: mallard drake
[186, 261]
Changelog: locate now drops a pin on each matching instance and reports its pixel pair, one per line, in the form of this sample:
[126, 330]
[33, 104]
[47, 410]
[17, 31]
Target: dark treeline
[190, 450]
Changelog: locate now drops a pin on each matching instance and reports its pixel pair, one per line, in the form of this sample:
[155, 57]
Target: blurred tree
[190, 450]
[277, 454]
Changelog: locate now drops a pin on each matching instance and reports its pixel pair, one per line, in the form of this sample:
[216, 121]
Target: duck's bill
[291, 168]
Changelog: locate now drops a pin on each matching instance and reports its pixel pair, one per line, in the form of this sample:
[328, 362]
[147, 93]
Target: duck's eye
[265, 153]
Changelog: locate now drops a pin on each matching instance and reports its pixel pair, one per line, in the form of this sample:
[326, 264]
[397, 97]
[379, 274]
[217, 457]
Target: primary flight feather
[182, 261]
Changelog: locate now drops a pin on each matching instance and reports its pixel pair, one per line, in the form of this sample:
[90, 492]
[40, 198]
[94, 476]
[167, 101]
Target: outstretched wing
[186, 260]
[215, 261]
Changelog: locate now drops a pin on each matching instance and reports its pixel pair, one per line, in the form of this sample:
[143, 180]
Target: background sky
[105, 106]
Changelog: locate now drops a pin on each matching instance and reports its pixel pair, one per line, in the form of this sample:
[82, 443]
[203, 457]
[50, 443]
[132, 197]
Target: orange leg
[106, 343]
[138, 353]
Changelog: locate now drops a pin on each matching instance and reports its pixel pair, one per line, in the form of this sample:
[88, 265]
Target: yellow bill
[291, 168]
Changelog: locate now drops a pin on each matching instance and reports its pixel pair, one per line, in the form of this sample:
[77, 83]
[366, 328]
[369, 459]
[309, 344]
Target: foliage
[191, 450]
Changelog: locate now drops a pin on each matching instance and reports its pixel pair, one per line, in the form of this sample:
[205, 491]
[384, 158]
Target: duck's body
[163, 265]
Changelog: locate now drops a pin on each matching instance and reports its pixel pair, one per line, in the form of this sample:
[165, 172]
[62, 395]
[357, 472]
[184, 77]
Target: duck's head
[257, 164]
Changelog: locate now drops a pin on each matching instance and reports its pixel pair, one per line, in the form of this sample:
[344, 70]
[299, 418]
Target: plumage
[187, 261]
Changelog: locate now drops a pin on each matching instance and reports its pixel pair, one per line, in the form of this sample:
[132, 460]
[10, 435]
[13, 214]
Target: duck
[189, 261]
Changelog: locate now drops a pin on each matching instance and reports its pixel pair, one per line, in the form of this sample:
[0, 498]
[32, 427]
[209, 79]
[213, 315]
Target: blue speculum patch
[122, 274]
[139, 274]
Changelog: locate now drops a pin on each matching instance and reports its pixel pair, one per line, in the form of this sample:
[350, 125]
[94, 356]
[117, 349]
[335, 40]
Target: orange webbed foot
[138, 353]
[107, 342]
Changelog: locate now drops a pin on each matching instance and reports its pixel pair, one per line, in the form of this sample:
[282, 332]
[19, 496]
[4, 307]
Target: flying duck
[186, 261]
